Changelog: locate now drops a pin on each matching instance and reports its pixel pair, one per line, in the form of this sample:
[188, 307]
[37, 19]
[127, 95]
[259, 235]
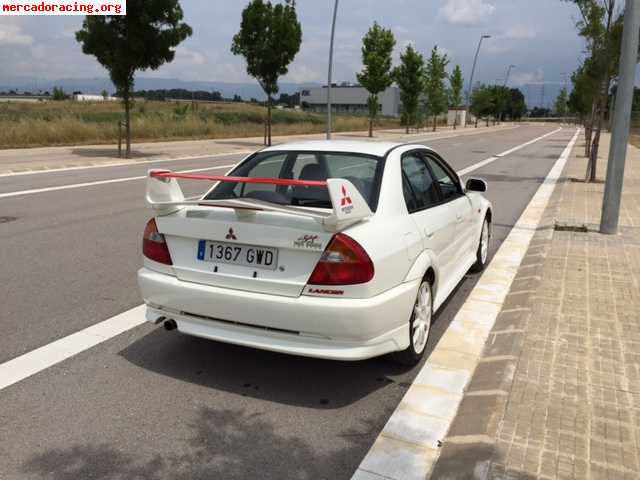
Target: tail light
[344, 262]
[154, 246]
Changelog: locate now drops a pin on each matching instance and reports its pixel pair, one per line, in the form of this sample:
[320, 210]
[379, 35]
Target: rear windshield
[363, 171]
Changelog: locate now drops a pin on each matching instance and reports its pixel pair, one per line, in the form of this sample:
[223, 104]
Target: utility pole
[333, 33]
[622, 120]
[473, 71]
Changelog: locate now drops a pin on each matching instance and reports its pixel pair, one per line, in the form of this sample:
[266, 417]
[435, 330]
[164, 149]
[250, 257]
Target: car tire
[482, 254]
[419, 327]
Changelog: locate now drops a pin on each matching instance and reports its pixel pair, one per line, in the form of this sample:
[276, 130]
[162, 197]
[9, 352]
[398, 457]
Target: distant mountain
[97, 85]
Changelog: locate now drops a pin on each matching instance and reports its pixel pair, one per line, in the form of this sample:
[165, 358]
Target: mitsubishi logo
[346, 200]
[231, 235]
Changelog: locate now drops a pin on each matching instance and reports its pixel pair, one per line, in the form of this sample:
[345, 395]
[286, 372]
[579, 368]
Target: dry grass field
[81, 123]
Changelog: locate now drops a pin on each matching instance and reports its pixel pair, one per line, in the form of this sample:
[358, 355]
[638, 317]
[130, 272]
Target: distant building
[352, 99]
[80, 97]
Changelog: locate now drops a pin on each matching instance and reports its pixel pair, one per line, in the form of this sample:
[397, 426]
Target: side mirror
[476, 185]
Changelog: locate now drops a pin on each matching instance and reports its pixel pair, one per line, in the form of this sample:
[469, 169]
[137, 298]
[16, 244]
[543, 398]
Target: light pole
[333, 33]
[622, 120]
[506, 79]
[473, 71]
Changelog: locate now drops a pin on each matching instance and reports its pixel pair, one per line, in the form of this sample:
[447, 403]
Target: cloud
[13, 35]
[518, 32]
[186, 56]
[466, 12]
[527, 78]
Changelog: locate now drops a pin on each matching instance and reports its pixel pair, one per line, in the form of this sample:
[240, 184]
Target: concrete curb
[409, 444]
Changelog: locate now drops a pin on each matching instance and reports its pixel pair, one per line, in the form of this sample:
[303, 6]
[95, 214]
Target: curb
[446, 398]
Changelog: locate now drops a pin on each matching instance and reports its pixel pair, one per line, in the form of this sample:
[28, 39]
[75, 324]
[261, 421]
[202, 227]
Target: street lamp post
[333, 33]
[622, 120]
[506, 79]
[473, 71]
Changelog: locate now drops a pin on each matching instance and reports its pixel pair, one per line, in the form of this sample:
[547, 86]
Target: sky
[538, 36]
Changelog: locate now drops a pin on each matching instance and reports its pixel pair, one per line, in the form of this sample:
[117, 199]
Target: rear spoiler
[165, 196]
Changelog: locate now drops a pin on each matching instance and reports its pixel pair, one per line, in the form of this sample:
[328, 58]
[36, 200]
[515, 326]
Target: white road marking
[99, 182]
[407, 447]
[118, 163]
[489, 160]
[48, 355]
[35, 361]
[126, 164]
[140, 177]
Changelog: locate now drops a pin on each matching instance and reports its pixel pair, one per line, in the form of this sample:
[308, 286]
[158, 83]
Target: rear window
[363, 171]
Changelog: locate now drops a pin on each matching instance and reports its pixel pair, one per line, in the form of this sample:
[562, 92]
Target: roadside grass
[83, 123]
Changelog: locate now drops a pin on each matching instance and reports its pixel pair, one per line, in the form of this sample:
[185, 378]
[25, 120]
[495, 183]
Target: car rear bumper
[332, 328]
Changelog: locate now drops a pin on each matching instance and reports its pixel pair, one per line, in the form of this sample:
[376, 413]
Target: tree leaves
[409, 76]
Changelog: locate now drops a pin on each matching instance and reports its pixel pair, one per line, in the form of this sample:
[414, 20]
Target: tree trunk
[435, 123]
[269, 120]
[127, 115]
[370, 126]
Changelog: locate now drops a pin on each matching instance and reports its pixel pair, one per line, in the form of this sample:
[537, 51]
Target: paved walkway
[52, 158]
[557, 391]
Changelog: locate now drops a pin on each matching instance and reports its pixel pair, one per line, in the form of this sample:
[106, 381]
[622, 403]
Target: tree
[143, 39]
[456, 81]
[561, 102]
[377, 47]
[600, 25]
[269, 39]
[104, 94]
[409, 76]
[482, 102]
[58, 94]
[435, 88]
[517, 104]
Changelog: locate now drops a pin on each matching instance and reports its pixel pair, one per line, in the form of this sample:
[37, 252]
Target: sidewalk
[52, 158]
[557, 391]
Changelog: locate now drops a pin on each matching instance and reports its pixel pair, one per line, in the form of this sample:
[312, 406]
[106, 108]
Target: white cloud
[518, 32]
[527, 78]
[13, 35]
[186, 56]
[466, 12]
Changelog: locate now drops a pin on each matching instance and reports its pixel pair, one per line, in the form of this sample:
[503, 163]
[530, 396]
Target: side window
[420, 190]
[448, 186]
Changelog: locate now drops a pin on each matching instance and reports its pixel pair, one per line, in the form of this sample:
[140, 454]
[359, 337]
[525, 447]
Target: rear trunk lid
[264, 252]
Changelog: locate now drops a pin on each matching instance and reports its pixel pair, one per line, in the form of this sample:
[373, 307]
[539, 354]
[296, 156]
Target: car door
[453, 196]
[433, 219]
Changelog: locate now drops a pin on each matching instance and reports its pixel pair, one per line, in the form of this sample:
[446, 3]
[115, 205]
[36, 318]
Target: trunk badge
[231, 235]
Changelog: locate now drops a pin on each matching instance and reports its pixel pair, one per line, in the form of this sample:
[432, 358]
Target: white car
[336, 250]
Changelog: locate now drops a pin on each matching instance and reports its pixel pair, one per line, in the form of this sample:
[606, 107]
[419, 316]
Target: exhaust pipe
[170, 325]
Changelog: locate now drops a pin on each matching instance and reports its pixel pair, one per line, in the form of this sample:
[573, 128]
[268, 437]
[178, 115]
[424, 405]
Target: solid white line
[117, 163]
[99, 182]
[489, 160]
[140, 177]
[125, 164]
[408, 447]
[48, 355]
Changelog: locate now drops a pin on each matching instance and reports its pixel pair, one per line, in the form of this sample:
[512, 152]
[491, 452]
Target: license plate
[237, 254]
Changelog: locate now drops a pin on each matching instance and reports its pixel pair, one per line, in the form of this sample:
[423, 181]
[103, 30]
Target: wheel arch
[425, 267]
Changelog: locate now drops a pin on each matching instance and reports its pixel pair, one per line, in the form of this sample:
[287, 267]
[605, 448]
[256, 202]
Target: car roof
[378, 149]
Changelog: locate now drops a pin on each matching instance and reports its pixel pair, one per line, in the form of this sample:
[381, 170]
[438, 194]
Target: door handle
[459, 217]
[429, 234]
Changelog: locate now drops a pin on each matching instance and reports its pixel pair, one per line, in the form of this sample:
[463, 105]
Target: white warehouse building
[352, 99]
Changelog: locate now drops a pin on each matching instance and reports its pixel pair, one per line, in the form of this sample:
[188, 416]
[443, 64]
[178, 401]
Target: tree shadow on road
[285, 379]
[224, 444]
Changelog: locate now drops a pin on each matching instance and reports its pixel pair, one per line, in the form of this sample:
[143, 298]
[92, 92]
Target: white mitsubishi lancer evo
[336, 250]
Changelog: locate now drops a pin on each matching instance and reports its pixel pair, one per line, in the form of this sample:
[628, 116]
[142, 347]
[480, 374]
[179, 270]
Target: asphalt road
[152, 404]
